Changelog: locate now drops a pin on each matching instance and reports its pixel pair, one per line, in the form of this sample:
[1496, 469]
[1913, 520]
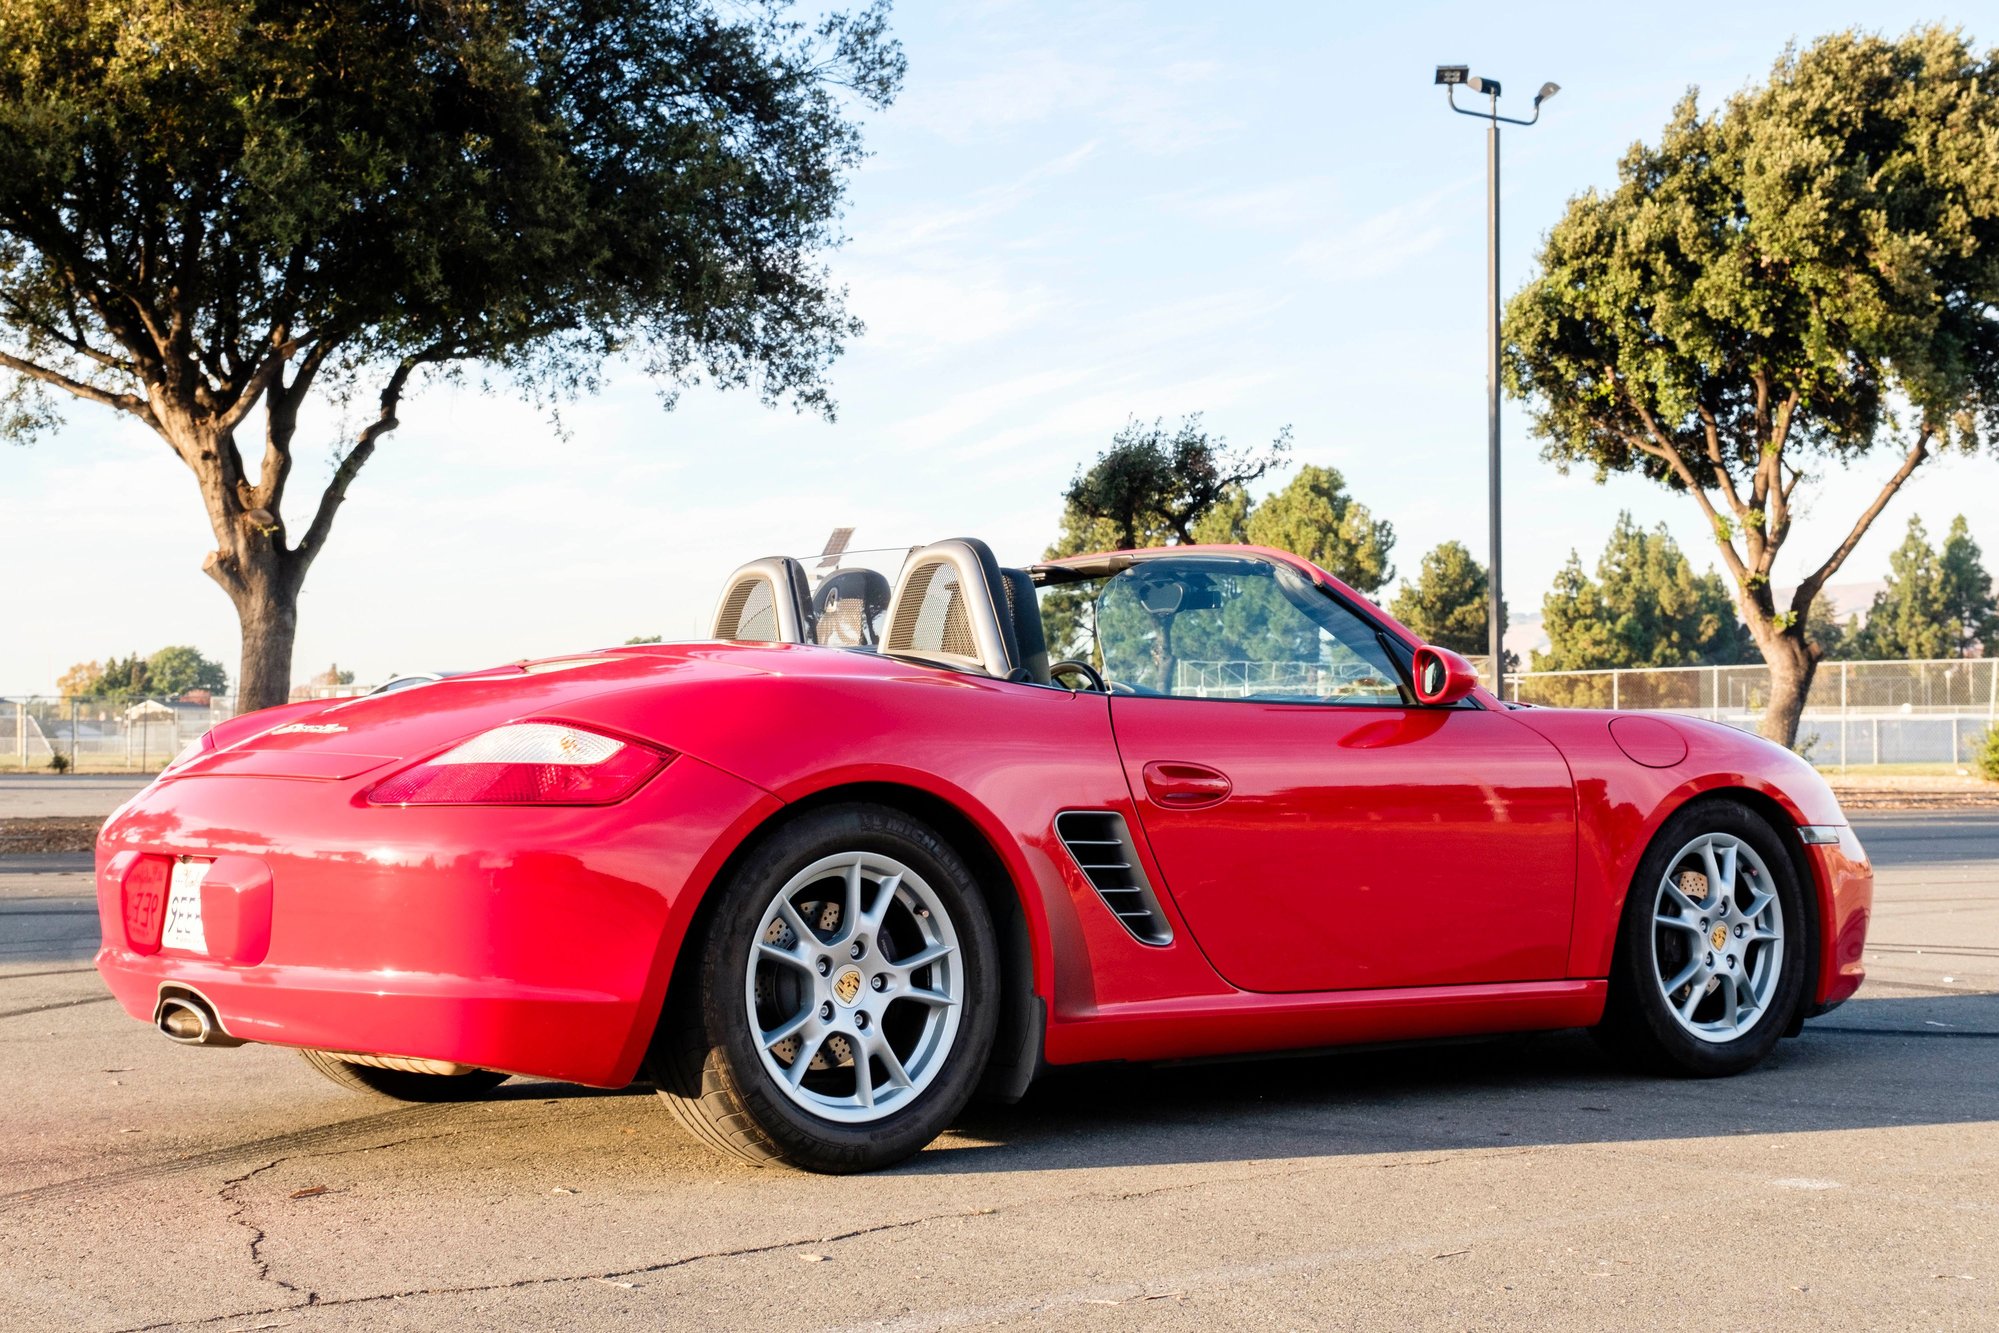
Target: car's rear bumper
[531, 940]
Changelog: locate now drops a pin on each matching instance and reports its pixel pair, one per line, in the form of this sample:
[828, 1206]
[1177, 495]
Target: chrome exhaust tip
[189, 1020]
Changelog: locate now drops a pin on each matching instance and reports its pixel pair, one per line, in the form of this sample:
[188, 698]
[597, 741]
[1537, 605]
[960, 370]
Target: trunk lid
[350, 737]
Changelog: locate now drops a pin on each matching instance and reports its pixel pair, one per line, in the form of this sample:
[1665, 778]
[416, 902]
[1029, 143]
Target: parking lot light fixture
[1451, 78]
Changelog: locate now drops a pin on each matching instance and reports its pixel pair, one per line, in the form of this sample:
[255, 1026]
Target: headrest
[851, 609]
[765, 601]
[950, 607]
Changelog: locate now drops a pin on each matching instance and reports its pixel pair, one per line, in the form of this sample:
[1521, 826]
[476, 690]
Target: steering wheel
[1090, 675]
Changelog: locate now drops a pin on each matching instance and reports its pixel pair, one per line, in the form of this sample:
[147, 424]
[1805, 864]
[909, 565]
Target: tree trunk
[267, 610]
[251, 564]
[1792, 664]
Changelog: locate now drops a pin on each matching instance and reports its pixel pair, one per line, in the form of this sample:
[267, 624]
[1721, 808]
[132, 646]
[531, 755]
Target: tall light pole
[1452, 77]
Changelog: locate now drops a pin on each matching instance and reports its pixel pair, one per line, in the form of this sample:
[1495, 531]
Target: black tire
[405, 1085]
[1639, 1026]
[708, 1067]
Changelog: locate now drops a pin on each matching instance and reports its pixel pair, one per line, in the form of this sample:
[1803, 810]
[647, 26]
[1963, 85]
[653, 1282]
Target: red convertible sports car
[870, 852]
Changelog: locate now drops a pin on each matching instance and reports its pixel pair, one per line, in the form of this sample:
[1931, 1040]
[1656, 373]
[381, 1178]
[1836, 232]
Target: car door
[1317, 829]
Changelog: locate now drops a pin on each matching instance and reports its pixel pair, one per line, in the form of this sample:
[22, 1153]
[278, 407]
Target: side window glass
[1222, 627]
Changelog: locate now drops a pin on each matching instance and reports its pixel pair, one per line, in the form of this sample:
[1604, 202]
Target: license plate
[182, 929]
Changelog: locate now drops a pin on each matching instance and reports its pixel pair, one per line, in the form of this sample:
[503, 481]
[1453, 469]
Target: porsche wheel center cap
[1718, 937]
[847, 986]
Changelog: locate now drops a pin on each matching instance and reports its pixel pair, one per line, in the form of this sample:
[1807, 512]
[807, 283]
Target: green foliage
[208, 206]
[1154, 486]
[1935, 604]
[1748, 262]
[178, 669]
[171, 671]
[1831, 637]
[642, 638]
[532, 183]
[59, 762]
[1778, 286]
[1967, 592]
[1446, 605]
[1313, 516]
[1645, 608]
[1988, 756]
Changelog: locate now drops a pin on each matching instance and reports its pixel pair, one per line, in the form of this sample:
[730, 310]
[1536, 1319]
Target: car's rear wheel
[837, 1011]
[405, 1085]
[1711, 960]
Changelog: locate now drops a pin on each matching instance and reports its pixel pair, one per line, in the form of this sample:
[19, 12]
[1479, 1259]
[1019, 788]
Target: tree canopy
[208, 206]
[1790, 283]
[172, 671]
[1313, 516]
[1645, 608]
[1155, 487]
[1447, 604]
[1967, 592]
[1159, 487]
[1934, 603]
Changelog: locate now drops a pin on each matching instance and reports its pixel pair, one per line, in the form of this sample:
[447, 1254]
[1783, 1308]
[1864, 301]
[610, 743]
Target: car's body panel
[1477, 857]
[1622, 803]
[1362, 847]
[535, 941]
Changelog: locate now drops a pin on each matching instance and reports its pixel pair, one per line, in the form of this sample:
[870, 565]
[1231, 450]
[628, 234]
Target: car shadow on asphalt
[1871, 1064]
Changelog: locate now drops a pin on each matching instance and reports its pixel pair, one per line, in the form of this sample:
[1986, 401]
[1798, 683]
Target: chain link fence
[100, 735]
[1857, 714]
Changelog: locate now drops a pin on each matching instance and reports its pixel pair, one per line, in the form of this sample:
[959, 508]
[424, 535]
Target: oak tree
[213, 210]
[1795, 282]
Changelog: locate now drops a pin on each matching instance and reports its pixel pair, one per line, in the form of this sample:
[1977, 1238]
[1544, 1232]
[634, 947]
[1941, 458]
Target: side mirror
[1442, 677]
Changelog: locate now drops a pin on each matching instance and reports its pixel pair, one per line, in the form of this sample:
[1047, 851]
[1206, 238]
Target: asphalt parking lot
[1853, 1182]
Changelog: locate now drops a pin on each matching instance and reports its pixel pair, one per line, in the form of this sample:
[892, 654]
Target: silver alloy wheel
[1717, 937]
[854, 987]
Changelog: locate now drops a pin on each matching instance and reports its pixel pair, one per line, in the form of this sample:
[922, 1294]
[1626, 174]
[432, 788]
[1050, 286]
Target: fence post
[21, 717]
[72, 733]
[1845, 674]
[1615, 696]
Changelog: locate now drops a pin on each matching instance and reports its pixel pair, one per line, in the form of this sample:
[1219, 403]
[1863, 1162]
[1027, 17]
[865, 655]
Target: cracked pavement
[1517, 1182]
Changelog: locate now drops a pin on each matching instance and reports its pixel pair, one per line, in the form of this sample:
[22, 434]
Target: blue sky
[1075, 215]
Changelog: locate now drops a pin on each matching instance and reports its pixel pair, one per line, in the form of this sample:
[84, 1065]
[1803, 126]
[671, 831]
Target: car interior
[952, 604]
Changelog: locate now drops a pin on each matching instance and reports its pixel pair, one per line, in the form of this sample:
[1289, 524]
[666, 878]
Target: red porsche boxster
[870, 852]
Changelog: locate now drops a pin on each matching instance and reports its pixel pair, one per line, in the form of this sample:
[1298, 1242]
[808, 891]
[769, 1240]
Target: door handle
[1178, 785]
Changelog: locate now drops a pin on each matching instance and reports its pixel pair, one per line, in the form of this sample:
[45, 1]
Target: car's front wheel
[838, 1009]
[1711, 955]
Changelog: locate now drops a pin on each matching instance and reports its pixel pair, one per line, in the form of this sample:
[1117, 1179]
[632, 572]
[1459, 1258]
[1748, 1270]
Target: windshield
[1221, 627]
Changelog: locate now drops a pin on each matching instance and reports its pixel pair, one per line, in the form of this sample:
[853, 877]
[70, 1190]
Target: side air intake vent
[1101, 844]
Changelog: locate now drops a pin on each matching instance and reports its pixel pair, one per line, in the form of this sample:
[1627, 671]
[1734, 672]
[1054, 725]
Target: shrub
[1988, 756]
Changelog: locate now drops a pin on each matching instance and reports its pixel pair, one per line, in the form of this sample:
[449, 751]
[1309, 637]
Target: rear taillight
[144, 895]
[526, 763]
